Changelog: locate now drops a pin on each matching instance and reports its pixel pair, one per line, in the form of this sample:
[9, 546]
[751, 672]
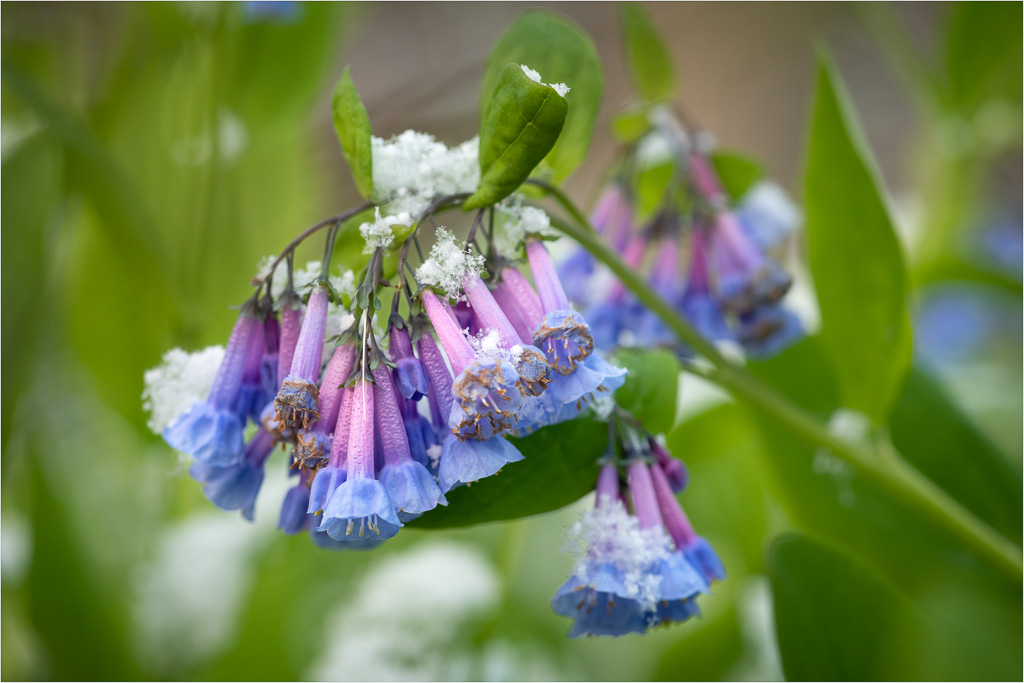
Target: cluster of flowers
[642, 569]
[730, 289]
[367, 459]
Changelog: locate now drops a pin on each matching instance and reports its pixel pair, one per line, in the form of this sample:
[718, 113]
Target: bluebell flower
[767, 215]
[485, 391]
[697, 305]
[469, 460]
[293, 510]
[409, 484]
[291, 328]
[745, 277]
[673, 468]
[666, 280]
[598, 606]
[211, 431]
[271, 355]
[410, 375]
[439, 395]
[252, 396]
[235, 487]
[360, 507]
[768, 330]
[697, 551]
[314, 444]
[423, 440]
[296, 402]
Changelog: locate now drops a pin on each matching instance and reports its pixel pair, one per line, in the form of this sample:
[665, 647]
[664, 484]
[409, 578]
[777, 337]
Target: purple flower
[271, 355]
[697, 305]
[423, 440]
[252, 396]
[673, 468]
[409, 484]
[696, 549]
[470, 460]
[235, 487]
[410, 376]
[534, 371]
[768, 330]
[330, 477]
[485, 390]
[291, 326]
[296, 402]
[293, 509]
[439, 393]
[211, 431]
[313, 444]
[360, 507]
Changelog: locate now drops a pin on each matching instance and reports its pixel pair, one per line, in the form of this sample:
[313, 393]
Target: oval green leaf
[560, 468]
[352, 124]
[855, 256]
[562, 52]
[647, 56]
[521, 125]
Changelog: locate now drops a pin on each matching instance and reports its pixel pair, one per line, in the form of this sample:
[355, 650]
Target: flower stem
[893, 473]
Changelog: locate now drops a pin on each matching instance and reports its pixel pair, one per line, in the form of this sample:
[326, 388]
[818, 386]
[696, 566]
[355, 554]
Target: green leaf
[651, 186]
[521, 125]
[560, 468]
[630, 125]
[833, 613]
[352, 124]
[562, 52]
[647, 56]
[854, 256]
[737, 172]
[651, 387]
[984, 54]
[939, 440]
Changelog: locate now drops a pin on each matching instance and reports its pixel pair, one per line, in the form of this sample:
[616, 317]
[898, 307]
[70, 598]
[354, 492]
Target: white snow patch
[561, 88]
[516, 221]
[609, 534]
[448, 264]
[378, 233]
[412, 169]
[178, 383]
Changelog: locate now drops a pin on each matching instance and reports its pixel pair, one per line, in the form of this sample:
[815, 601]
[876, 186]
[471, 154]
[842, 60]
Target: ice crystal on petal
[448, 264]
[609, 535]
[177, 384]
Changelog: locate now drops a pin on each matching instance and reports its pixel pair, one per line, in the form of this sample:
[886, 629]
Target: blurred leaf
[984, 54]
[647, 56]
[727, 502]
[833, 613]
[651, 185]
[738, 172]
[940, 441]
[31, 191]
[560, 468]
[522, 123]
[84, 634]
[630, 125]
[651, 387]
[562, 52]
[826, 496]
[352, 124]
[854, 256]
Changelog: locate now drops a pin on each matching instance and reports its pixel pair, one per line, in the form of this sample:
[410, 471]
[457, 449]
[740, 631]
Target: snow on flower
[448, 264]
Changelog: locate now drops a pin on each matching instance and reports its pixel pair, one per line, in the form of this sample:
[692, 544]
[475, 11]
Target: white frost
[179, 382]
[448, 264]
[412, 169]
[516, 221]
[378, 233]
[561, 88]
[609, 534]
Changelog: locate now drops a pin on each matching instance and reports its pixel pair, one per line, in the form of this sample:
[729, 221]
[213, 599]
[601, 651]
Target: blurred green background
[153, 153]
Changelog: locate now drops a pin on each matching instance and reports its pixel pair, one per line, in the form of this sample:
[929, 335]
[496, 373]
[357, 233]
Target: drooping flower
[409, 484]
[235, 487]
[211, 431]
[291, 327]
[327, 479]
[252, 396]
[296, 402]
[611, 588]
[673, 468]
[271, 355]
[360, 507]
[698, 305]
[314, 444]
[696, 549]
[410, 376]
[767, 330]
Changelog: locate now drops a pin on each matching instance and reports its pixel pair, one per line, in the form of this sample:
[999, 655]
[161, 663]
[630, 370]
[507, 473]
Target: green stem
[893, 473]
